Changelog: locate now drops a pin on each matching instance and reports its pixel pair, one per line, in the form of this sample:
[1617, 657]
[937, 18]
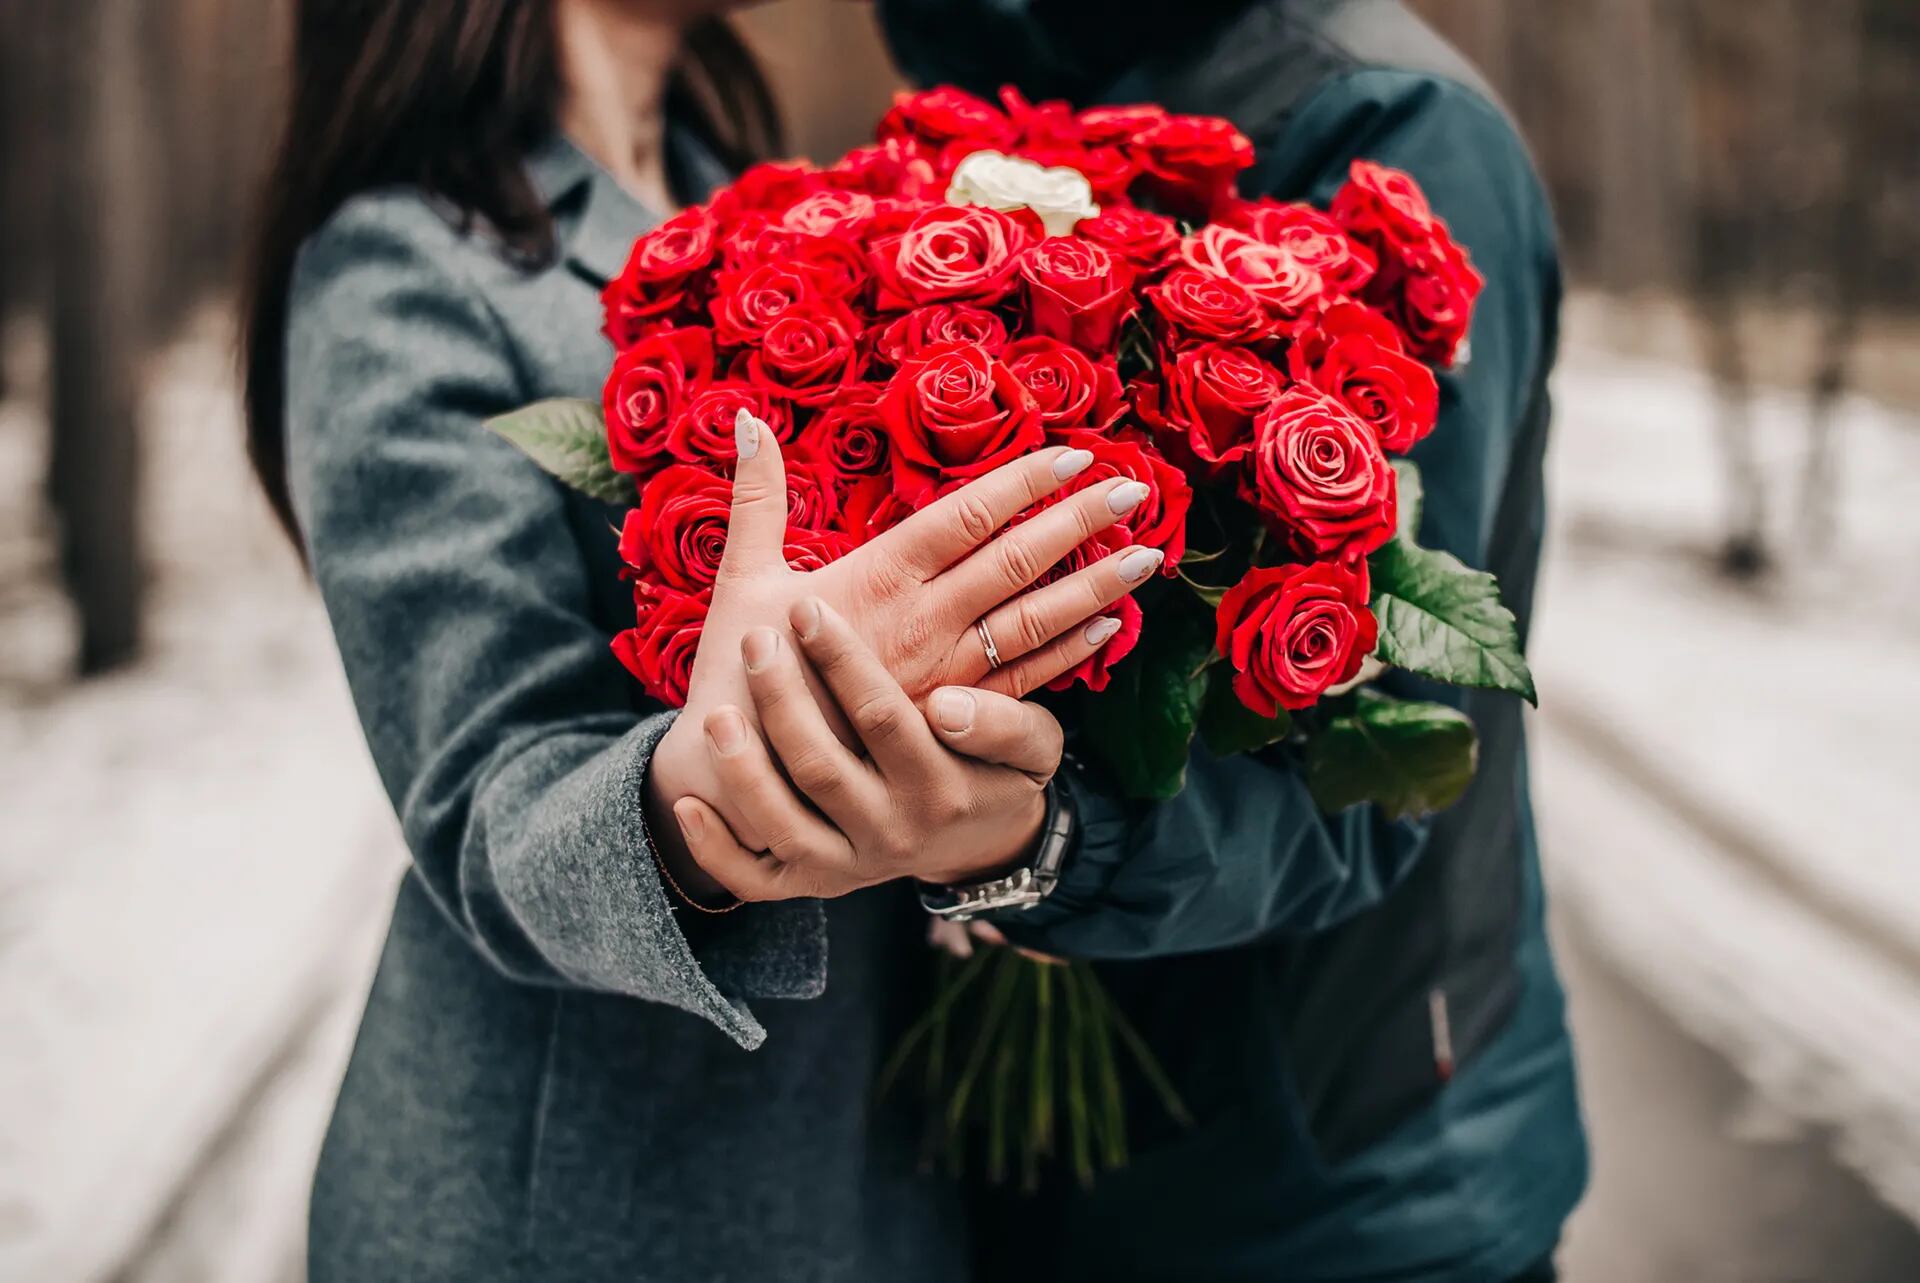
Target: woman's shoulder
[389, 242]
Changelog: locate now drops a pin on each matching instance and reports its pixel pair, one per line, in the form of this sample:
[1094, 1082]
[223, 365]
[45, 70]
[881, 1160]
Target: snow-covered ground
[195, 859]
[1725, 773]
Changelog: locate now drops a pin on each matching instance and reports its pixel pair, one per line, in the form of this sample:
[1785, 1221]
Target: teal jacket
[1364, 1014]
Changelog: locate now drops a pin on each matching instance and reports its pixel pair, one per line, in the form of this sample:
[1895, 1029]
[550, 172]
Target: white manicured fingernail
[1101, 630]
[1071, 464]
[1126, 496]
[1140, 563]
[746, 434]
[954, 708]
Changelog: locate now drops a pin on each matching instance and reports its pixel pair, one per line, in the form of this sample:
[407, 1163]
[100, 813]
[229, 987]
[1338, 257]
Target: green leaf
[1442, 620]
[1231, 727]
[1409, 757]
[1211, 594]
[568, 437]
[1143, 723]
[1412, 497]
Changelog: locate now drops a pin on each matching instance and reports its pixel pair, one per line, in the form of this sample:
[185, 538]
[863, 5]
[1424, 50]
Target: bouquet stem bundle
[1021, 1063]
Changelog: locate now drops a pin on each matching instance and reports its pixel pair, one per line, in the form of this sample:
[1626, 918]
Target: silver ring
[986, 641]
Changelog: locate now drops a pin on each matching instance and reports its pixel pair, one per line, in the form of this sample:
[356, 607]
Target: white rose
[1059, 195]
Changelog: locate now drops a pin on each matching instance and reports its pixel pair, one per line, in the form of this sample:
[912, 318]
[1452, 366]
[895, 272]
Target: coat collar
[595, 219]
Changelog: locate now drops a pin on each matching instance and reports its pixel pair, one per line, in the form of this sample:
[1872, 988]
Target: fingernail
[746, 434]
[1126, 496]
[727, 731]
[1140, 563]
[806, 617]
[1071, 464]
[954, 709]
[758, 647]
[692, 823]
[1101, 630]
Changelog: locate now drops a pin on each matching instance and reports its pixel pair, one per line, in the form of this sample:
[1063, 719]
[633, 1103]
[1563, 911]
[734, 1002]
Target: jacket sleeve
[501, 726]
[1242, 852]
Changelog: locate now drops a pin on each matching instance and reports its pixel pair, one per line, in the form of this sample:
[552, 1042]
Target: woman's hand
[916, 594]
[913, 808]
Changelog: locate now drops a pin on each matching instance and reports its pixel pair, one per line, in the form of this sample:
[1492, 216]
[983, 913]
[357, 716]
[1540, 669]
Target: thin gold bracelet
[660, 862]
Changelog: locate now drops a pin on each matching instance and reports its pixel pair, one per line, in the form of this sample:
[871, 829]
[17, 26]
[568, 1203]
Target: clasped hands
[844, 726]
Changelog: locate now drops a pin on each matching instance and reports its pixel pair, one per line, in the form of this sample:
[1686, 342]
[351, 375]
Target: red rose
[1318, 470]
[1202, 405]
[872, 506]
[914, 332]
[1141, 237]
[1161, 519]
[649, 383]
[1287, 288]
[768, 187]
[677, 533]
[661, 282]
[1205, 306]
[1047, 126]
[812, 549]
[1434, 306]
[1315, 239]
[1189, 162]
[807, 353]
[1070, 389]
[813, 493]
[660, 647]
[746, 303]
[1120, 124]
[702, 431]
[1293, 632]
[838, 264]
[894, 167]
[847, 436]
[754, 240]
[950, 253]
[832, 212]
[1076, 292]
[943, 115]
[1384, 209]
[955, 413]
[1354, 356]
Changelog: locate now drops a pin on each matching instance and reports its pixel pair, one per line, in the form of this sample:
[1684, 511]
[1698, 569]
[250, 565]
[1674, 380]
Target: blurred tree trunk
[101, 222]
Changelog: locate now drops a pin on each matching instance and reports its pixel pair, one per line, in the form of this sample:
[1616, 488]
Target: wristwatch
[1027, 885]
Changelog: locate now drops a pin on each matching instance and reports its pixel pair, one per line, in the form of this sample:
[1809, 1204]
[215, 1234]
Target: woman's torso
[489, 1129]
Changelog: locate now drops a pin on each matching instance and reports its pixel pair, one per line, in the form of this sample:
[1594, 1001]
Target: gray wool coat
[560, 1075]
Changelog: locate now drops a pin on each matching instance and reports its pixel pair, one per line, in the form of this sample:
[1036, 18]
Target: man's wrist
[1024, 884]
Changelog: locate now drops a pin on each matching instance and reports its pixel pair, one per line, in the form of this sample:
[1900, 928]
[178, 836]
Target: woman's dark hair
[447, 95]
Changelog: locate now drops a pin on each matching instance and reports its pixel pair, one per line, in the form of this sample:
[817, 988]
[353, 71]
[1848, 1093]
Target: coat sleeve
[1242, 852]
[501, 726]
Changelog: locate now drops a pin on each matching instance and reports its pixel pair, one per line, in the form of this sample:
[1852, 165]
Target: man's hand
[911, 808]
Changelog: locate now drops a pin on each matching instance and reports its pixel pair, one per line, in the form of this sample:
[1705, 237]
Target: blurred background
[195, 861]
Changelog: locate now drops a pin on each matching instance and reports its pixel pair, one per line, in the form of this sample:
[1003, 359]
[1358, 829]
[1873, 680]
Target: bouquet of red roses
[984, 280]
